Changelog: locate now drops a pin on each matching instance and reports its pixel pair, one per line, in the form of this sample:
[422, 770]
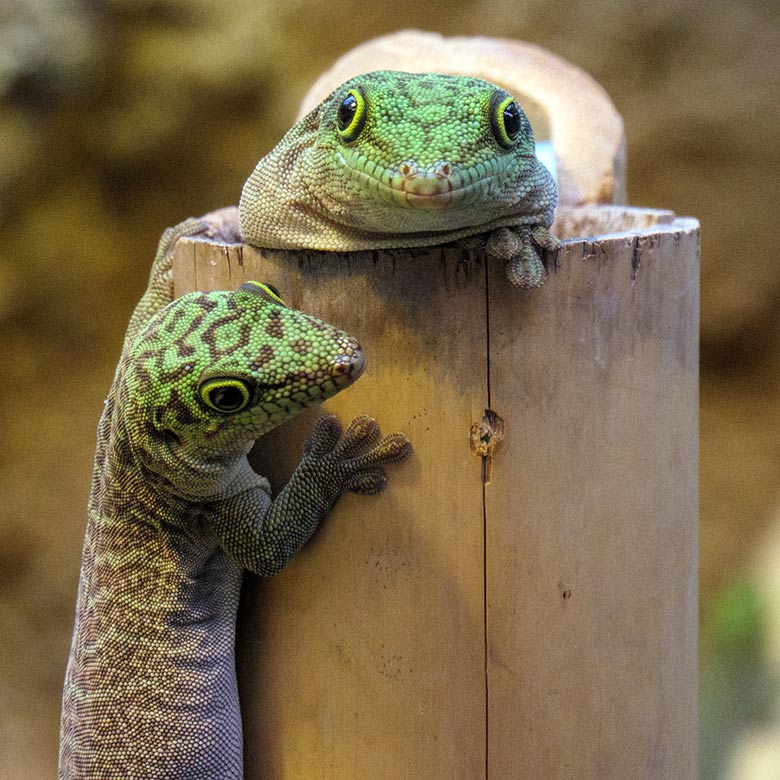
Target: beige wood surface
[592, 515]
[367, 657]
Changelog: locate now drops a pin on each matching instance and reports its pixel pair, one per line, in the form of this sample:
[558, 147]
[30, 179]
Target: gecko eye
[226, 394]
[506, 118]
[264, 290]
[351, 116]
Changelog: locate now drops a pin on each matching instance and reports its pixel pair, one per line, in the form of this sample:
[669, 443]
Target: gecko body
[395, 159]
[176, 514]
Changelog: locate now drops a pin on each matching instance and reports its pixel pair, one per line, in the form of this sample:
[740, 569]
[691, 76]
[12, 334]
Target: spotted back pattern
[150, 690]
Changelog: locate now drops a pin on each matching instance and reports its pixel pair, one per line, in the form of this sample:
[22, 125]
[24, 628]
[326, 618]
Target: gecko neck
[153, 645]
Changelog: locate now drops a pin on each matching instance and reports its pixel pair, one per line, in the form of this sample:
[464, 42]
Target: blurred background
[120, 117]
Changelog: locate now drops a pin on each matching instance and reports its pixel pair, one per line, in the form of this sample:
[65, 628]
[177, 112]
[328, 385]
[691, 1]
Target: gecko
[176, 513]
[396, 160]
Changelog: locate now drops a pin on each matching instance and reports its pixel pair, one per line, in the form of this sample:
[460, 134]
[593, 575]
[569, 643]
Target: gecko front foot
[524, 249]
[352, 460]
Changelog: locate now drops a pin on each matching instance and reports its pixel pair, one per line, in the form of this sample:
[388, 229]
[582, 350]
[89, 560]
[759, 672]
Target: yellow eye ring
[506, 118]
[226, 394]
[264, 290]
[351, 115]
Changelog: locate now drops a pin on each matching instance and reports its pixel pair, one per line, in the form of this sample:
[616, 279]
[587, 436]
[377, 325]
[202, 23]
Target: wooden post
[542, 625]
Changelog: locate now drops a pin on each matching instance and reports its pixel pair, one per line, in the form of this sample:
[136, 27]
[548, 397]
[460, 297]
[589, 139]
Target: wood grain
[367, 657]
[592, 515]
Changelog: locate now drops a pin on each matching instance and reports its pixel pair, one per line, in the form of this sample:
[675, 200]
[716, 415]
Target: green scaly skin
[427, 160]
[176, 513]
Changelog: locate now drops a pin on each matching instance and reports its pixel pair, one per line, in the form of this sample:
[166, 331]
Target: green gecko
[176, 513]
[394, 159]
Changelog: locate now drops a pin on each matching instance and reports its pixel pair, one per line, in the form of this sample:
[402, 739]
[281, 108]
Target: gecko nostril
[443, 170]
[358, 364]
[349, 367]
[408, 169]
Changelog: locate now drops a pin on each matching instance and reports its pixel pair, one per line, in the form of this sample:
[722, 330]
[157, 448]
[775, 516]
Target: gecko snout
[358, 364]
[350, 365]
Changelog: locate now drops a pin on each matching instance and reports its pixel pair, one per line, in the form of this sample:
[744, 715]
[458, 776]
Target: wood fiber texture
[543, 625]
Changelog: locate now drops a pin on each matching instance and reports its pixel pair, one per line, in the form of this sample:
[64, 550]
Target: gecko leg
[263, 535]
[524, 249]
[221, 225]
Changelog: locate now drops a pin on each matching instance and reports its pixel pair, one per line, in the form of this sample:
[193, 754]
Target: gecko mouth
[432, 188]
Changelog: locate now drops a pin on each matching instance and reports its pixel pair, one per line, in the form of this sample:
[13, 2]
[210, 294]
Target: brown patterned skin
[395, 159]
[176, 514]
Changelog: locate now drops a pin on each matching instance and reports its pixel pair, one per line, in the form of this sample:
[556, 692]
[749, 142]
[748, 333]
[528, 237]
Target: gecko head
[398, 159]
[213, 371]
[431, 148]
